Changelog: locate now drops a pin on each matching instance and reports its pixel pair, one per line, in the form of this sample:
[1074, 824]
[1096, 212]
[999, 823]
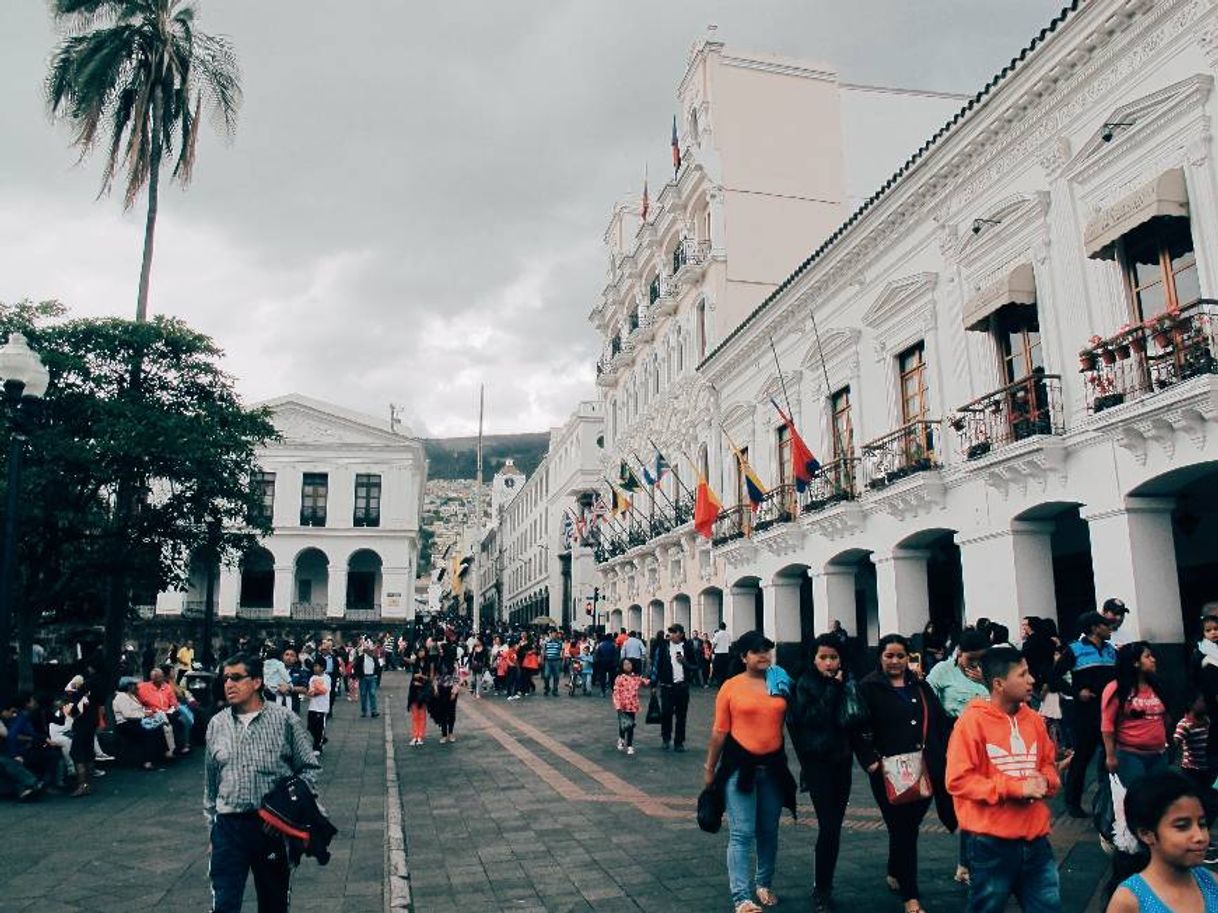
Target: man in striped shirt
[251, 746]
[551, 670]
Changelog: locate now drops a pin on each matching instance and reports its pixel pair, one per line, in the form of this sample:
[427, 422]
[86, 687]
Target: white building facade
[1005, 360]
[344, 494]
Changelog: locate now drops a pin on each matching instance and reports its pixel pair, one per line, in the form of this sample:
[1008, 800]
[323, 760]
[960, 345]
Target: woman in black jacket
[824, 709]
[903, 715]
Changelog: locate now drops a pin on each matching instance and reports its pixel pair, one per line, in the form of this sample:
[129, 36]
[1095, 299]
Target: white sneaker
[621, 744]
[104, 757]
[630, 750]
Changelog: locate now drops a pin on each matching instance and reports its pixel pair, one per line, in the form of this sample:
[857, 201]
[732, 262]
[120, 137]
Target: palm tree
[132, 75]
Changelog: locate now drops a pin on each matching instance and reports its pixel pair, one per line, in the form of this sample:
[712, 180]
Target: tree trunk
[154, 183]
[25, 648]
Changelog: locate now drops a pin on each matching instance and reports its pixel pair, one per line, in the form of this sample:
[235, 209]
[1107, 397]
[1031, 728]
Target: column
[397, 591]
[712, 610]
[1008, 574]
[741, 610]
[1134, 557]
[285, 583]
[229, 593]
[336, 593]
[833, 597]
[781, 610]
[901, 583]
[170, 602]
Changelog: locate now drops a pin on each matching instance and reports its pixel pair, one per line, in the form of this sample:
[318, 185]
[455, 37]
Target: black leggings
[446, 714]
[829, 786]
[317, 727]
[902, 822]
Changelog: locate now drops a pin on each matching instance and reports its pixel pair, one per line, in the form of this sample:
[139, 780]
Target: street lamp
[25, 381]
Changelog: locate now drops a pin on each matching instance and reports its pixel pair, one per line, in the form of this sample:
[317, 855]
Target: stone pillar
[1008, 574]
[1134, 557]
[781, 609]
[396, 592]
[901, 583]
[741, 611]
[833, 597]
[336, 592]
[170, 602]
[285, 585]
[712, 610]
[229, 592]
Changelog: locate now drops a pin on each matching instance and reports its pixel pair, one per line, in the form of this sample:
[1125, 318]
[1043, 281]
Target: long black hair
[1127, 674]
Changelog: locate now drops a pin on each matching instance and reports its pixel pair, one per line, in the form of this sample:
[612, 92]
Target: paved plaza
[533, 809]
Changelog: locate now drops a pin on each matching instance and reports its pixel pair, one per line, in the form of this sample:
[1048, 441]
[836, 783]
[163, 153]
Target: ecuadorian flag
[752, 484]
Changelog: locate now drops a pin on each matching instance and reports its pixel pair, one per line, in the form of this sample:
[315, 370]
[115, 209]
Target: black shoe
[375, 714]
[823, 903]
[1076, 811]
[678, 748]
[666, 746]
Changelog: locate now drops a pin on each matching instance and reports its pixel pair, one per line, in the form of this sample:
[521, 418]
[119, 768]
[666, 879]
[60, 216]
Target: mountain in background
[457, 457]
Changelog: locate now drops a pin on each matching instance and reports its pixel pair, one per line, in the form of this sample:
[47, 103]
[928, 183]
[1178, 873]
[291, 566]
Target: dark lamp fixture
[1111, 127]
[978, 224]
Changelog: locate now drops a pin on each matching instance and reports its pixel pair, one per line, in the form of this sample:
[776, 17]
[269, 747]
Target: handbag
[653, 710]
[710, 810]
[906, 779]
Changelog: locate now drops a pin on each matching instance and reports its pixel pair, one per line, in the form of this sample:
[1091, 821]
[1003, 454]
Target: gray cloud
[414, 200]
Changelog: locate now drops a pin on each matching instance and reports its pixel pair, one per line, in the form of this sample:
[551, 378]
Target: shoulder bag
[906, 779]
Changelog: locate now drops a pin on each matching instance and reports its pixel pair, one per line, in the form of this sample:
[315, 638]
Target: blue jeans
[1133, 766]
[753, 817]
[999, 868]
[367, 695]
[239, 845]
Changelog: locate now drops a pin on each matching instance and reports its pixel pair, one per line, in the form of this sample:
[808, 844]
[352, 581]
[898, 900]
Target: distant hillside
[457, 457]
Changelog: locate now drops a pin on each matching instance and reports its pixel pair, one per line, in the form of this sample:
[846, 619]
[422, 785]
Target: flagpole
[820, 349]
[656, 485]
[677, 476]
[782, 380]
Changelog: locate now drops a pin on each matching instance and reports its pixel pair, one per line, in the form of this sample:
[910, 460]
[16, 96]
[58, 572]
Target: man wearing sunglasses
[251, 746]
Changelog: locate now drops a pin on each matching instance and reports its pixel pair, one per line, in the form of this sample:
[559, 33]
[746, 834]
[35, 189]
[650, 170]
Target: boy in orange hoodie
[1000, 769]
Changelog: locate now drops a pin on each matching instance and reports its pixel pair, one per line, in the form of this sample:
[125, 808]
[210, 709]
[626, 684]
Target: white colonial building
[344, 493]
[525, 566]
[1005, 359]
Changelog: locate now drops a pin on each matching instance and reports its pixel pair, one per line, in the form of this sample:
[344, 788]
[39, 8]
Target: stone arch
[310, 583]
[655, 618]
[364, 578]
[746, 608]
[926, 583]
[634, 619]
[710, 608]
[851, 594]
[793, 610]
[1053, 564]
[615, 620]
[257, 579]
[682, 612]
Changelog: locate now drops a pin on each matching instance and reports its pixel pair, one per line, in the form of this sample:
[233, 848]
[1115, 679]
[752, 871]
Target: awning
[1164, 196]
[1016, 286]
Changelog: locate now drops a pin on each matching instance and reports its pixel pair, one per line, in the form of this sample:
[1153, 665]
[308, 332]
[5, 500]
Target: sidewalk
[533, 809]
[140, 842]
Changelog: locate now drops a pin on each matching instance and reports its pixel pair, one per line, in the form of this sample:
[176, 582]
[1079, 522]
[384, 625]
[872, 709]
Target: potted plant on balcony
[979, 449]
[958, 422]
[1120, 344]
[1086, 359]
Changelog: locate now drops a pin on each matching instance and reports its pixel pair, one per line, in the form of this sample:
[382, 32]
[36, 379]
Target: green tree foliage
[180, 437]
[132, 77]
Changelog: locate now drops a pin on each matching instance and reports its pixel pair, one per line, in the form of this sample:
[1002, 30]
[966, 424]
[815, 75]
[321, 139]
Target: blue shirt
[1086, 654]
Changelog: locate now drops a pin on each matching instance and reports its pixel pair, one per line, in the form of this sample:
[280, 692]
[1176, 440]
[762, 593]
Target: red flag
[706, 509]
[803, 464]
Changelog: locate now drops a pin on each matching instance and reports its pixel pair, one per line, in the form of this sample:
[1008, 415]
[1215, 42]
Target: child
[1192, 738]
[319, 703]
[1001, 766]
[1166, 815]
[626, 703]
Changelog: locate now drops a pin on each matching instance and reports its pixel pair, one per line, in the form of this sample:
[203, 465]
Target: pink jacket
[626, 692]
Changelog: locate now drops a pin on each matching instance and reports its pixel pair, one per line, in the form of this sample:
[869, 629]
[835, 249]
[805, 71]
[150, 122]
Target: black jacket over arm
[814, 719]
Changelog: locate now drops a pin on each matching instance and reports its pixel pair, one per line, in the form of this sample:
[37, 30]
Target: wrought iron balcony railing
[194, 608]
[690, 252]
[778, 506]
[911, 449]
[732, 523]
[1028, 407]
[1141, 360]
[363, 613]
[836, 481]
[255, 613]
[309, 610]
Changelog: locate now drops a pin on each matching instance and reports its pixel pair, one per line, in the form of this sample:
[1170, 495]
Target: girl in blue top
[1164, 812]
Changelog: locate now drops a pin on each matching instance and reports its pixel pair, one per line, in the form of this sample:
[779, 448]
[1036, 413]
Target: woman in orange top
[747, 764]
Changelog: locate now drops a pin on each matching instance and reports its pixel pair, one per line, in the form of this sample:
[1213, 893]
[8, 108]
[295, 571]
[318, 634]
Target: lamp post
[25, 381]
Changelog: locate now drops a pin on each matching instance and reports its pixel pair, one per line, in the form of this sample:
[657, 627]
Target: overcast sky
[416, 194]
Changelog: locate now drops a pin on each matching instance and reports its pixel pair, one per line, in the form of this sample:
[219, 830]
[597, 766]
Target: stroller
[577, 677]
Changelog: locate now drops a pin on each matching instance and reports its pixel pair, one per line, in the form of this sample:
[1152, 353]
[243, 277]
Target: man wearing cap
[1091, 664]
[1115, 611]
[672, 667]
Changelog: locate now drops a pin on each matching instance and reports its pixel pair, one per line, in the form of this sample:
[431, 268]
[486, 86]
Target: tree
[181, 438]
[133, 74]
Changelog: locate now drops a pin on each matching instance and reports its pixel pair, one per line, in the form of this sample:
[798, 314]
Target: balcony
[643, 531]
[363, 613]
[907, 451]
[689, 259]
[194, 608]
[1142, 360]
[732, 523]
[309, 611]
[607, 370]
[778, 506]
[255, 613]
[836, 481]
[666, 292]
[1030, 406]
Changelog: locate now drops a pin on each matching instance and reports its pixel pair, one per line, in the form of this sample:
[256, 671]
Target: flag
[804, 465]
[753, 488]
[600, 510]
[706, 508]
[568, 530]
[581, 527]
[646, 196]
[621, 503]
[661, 467]
[676, 147]
[627, 479]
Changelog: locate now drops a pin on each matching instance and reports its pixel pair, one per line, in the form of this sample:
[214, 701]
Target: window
[367, 499]
[911, 366]
[843, 424]
[262, 484]
[1160, 267]
[784, 455]
[653, 290]
[632, 321]
[742, 495]
[314, 490]
[1017, 331]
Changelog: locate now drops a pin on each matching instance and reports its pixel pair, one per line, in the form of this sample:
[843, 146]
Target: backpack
[292, 810]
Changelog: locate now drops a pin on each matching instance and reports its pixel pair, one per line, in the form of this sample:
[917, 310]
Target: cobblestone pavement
[534, 809]
[140, 843]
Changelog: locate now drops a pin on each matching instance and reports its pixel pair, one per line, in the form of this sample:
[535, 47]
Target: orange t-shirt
[750, 714]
